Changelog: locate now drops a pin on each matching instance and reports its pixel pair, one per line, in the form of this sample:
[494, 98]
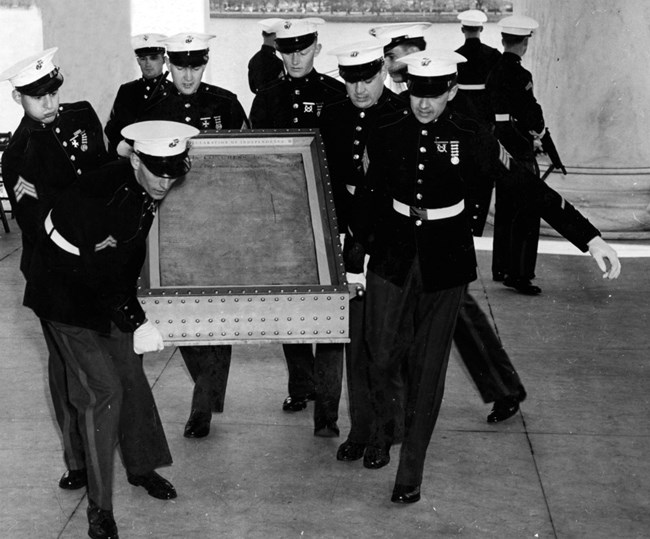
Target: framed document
[246, 248]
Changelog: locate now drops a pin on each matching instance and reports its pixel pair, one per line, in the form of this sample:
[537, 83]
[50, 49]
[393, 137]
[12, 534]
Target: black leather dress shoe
[156, 485]
[350, 451]
[198, 425]
[326, 430]
[405, 494]
[506, 407]
[74, 479]
[101, 523]
[376, 457]
[294, 404]
[523, 286]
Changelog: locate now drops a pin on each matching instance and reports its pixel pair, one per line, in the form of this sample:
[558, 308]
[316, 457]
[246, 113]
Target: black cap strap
[361, 72]
[44, 85]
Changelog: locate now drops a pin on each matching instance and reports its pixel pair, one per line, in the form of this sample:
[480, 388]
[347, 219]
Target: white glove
[147, 338]
[124, 149]
[356, 283]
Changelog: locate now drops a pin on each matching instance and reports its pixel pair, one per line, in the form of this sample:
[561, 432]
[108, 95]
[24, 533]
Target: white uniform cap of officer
[144, 44]
[188, 48]
[399, 32]
[432, 72]
[292, 35]
[518, 25]
[472, 17]
[162, 145]
[361, 60]
[36, 75]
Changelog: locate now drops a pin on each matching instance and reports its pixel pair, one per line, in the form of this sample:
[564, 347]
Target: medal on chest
[79, 140]
[450, 148]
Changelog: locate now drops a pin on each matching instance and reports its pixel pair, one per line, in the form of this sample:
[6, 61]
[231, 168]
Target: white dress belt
[58, 238]
[428, 214]
[502, 117]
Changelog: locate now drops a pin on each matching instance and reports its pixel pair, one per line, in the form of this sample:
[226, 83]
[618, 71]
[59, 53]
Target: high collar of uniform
[36, 125]
[310, 77]
[512, 57]
[155, 80]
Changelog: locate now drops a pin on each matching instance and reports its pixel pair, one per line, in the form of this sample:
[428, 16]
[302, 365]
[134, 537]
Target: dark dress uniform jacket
[264, 67]
[345, 130]
[44, 159]
[481, 58]
[132, 100]
[436, 166]
[107, 217]
[294, 103]
[510, 87]
[209, 108]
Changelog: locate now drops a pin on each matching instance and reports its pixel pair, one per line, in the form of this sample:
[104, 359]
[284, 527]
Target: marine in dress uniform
[519, 122]
[422, 166]
[403, 38]
[296, 101]
[345, 126]
[264, 66]
[134, 97]
[83, 283]
[208, 108]
[54, 145]
[472, 99]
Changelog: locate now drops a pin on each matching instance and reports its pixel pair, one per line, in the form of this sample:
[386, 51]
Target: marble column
[590, 61]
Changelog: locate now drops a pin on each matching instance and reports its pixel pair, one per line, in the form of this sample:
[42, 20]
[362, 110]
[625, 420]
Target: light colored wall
[590, 61]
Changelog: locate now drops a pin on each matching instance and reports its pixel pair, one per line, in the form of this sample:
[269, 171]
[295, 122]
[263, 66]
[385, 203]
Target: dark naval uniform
[516, 227]
[41, 161]
[345, 130]
[209, 108]
[291, 103]
[132, 100]
[83, 283]
[422, 255]
[264, 67]
[297, 103]
[472, 99]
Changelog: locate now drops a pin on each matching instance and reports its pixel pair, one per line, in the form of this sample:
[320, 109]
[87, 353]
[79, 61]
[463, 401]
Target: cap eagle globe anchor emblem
[174, 143]
[287, 25]
[39, 64]
[189, 39]
[354, 54]
[425, 62]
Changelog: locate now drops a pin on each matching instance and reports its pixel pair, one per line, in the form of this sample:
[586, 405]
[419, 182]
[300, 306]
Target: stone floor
[574, 463]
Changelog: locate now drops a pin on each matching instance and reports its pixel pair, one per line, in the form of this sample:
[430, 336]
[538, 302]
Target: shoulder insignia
[504, 156]
[24, 188]
[110, 241]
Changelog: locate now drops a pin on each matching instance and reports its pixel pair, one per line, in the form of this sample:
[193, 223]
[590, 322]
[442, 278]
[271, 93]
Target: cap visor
[167, 167]
[43, 86]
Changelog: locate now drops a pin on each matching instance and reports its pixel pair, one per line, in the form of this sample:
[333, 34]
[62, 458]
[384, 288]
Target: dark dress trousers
[345, 130]
[422, 256]
[83, 282]
[297, 103]
[209, 108]
[41, 161]
[516, 225]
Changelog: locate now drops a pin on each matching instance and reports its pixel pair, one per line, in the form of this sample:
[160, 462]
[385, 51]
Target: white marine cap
[361, 60]
[293, 35]
[148, 43]
[518, 25]
[398, 32]
[35, 75]
[431, 72]
[268, 25]
[188, 48]
[472, 17]
[162, 145]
